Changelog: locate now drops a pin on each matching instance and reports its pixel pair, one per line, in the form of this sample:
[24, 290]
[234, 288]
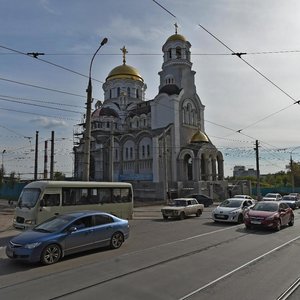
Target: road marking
[238, 269]
[182, 240]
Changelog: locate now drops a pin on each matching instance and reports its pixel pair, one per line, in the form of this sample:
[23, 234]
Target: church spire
[176, 27]
[124, 54]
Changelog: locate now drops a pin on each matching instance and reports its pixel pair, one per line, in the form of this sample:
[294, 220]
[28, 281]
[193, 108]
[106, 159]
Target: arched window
[118, 92]
[131, 152]
[143, 151]
[128, 91]
[178, 52]
[126, 153]
[137, 93]
[170, 53]
[110, 94]
[148, 150]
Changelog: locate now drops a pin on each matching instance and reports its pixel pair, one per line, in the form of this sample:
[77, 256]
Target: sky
[247, 98]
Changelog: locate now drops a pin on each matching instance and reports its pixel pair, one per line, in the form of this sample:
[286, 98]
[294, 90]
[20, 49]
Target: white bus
[41, 200]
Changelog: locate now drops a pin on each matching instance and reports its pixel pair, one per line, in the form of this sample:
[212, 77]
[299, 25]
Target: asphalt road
[190, 259]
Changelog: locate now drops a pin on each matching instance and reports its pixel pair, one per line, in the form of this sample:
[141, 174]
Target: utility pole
[52, 157]
[46, 160]
[36, 155]
[166, 185]
[257, 172]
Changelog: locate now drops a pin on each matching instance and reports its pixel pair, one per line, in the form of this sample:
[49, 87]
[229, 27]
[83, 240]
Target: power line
[43, 106]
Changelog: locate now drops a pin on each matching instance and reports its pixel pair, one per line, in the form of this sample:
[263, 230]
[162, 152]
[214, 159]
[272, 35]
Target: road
[190, 259]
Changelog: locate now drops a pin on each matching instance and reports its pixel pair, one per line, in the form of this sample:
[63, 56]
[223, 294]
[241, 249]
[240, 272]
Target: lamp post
[87, 134]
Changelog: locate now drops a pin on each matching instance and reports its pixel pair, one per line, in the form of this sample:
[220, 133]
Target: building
[159, 145]
[240, 171]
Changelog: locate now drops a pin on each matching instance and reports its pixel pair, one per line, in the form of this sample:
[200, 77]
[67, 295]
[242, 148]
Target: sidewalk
[6, 215]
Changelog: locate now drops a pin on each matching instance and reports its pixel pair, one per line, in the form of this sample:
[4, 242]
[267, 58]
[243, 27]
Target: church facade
[159, 145]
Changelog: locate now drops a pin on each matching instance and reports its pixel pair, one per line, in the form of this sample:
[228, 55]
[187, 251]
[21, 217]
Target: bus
[40, 200]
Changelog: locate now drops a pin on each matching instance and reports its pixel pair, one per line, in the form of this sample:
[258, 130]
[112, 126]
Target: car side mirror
[72, 229]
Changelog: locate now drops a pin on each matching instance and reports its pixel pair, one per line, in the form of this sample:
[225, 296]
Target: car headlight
[273, 217]
[234, 212]
[32, 245]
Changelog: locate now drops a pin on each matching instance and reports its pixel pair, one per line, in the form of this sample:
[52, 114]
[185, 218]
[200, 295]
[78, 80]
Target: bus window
[104, 195]
[125, 195]
[51, 200]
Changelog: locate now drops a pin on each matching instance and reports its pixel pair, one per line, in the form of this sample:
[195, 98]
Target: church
[158, 145]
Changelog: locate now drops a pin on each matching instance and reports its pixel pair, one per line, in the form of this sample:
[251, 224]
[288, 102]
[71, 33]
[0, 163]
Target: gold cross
[124, 54]
[176, 26]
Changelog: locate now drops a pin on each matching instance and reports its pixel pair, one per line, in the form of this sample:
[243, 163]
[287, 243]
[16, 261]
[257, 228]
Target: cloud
[49, 123]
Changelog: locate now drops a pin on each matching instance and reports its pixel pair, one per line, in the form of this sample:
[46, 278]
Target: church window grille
[143, 151]
[128, 91]
[178, 52]
[118, 92]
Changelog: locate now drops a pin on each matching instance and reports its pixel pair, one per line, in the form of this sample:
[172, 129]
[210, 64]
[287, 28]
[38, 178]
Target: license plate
[220, 216]
[255, 222]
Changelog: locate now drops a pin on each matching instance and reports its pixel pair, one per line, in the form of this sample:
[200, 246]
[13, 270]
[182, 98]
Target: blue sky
[48, 93]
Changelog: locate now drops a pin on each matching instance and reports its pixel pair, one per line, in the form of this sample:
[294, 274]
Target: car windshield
[266, 207]
[179, 203]
[28, 198]
[54, 224]
[231, 203]
[270, 196]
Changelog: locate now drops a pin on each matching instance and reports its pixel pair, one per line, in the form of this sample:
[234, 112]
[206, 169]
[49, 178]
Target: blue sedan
[68, 234]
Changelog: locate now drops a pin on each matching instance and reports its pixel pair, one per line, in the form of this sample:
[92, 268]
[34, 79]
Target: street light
[2, 166]
[87, 134]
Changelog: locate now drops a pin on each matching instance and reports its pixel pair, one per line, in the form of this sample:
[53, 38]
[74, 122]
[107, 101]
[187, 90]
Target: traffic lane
[144, 234]
[198, 260]
[233, 270]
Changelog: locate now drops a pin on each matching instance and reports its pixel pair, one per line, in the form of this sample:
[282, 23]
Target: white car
[182, 207]
[272, 197]
[232, 210]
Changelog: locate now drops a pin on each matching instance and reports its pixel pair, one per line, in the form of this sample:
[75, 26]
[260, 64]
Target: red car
[269, 214]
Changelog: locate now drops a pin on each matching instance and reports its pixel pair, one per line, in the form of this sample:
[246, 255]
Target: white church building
[159, 145]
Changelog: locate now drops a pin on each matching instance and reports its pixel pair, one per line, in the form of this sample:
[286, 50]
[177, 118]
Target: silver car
[232, 210]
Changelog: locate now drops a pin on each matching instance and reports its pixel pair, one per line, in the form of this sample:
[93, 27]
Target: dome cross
[124, 50]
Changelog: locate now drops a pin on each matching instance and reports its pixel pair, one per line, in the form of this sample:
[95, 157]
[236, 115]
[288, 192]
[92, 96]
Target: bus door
[49, 206]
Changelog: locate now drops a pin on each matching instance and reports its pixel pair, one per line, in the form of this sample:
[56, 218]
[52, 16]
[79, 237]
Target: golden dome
[124, 72]
[176, 37]
[199, 137]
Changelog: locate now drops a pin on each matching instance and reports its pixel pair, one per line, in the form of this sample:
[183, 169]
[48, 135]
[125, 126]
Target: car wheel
[291, 222]
[51, 254]
[116, 240]
[198, 213]
[182, 215]
[278, 225]
[165, 217]
[240, 219]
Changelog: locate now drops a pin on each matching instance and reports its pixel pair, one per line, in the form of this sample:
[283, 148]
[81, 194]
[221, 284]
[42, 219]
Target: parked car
[292, 201]
[295, 194]
[269, 214]
[202, 199]
[272, 197]
[182, 207]
[68, 234]
[231, 210]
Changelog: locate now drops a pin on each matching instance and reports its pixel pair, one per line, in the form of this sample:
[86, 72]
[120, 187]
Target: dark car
[269, 214]
[68, 234]
[202, 199]
[292, 201]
